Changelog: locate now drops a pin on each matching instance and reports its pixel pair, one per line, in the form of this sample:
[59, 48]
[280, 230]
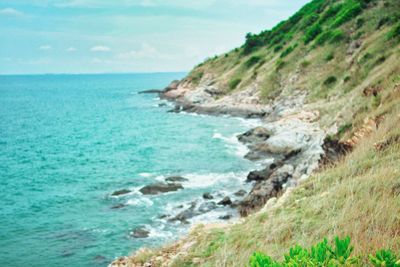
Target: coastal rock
[266, 189]
[207, 206]
[185, 215]
[225, 201]
[240, 193]
[140, 232]
[225, 217]
[207, 196]
[121, 192]
[176, 179]
[255, 135]
[176, 109]
[263, 174]
[118, 206]
[151, 91]
[172, 86]
[154, 189]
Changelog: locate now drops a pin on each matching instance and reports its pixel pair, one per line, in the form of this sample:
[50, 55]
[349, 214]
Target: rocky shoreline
[289, 144]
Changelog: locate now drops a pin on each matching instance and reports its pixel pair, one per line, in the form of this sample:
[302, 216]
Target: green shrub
[337, 36]
[252, 61]
[304, 64]
[384, 258]
[309, 20]
[329, 56]
[360, 22]
[278, 48]
[330, 80]
[280, 64]
[323, 254]
[288, 50]
[347, 79]
[394, 33]
[323, 37]
[312, 32]
[234, 83]
[350, 10]
[331, 12]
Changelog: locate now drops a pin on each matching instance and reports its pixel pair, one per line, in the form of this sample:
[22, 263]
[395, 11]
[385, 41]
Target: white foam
[233, 143]
[140, 202]
[206, 180]
[145, 174]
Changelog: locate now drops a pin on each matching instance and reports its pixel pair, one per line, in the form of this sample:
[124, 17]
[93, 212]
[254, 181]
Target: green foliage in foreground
[324, 254]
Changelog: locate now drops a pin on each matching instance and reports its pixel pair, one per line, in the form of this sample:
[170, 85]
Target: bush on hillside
[330, 80]
[288, 50]
[234, 83]
[312, 33]
[337, 36]
[324, 254]
[394, 32]
[329, 56]
[331, 12]
[252, 61]
[350, 10]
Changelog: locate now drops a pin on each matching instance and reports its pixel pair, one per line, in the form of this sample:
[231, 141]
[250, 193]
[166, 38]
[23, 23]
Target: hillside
[339, 61]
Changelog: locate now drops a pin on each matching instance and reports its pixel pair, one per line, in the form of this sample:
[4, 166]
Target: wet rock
[240, 193]
[266, 189]
[185, 215]
[121, 192]
[225, 201]
[163, 216]
[225, 217]
[140, 232]
[118, 206]
[207, 206]
[151, 91]
[157, 188]
[207, 196]
[235, 204]
[176, 109]
[260, 175]
[162, 104]
[100, 259]
[176, 179]
[255, 135]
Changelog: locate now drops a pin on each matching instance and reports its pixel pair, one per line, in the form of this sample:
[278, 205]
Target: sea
[67, 142]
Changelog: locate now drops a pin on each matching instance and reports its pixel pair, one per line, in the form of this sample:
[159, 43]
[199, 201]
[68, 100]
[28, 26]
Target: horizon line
[89, 73]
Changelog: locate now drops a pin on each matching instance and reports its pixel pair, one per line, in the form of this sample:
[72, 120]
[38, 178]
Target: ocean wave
[140, 202]
[145, 174]
[233, 143]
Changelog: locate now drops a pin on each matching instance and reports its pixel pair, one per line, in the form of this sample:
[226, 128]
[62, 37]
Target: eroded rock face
[157, 188]
[266, 189]
[255, 135]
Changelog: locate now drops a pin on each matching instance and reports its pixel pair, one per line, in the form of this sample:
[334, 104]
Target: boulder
[118, 206]
[186, 214]
[266, 189]
[207, 206]
[176, 179]
[260, 175]
[157, 188]
[139, 232]
[255, 135]
[176, 109]
[240, 193]
[207, 196]
[225, 217]
[225, 201]
[121, 192]
[151, 91]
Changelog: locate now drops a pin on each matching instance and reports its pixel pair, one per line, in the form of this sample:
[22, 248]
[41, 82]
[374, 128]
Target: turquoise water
[68, 141]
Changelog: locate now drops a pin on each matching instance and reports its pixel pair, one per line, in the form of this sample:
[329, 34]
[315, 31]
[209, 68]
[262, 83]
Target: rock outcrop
[157, 188]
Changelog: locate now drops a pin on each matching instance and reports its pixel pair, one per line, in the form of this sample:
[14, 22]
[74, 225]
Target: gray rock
[118, 206]
[265, 189]
[240, 193]
[176, 179]
[140, 232]
[255, 135]
[225, 217]
[225, 201]
[260, 175]
[186, 214]
[157, 188]
[207, 206]
[207, 196]
[121, 192]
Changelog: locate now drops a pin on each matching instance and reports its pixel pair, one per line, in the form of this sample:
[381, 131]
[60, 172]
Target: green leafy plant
[349, 10]
[312, 33]
[384, 258]
[252, 61]
[339, 254]
[330, 80]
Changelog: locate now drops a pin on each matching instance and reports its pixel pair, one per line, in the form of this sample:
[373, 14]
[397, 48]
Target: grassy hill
[345, 54]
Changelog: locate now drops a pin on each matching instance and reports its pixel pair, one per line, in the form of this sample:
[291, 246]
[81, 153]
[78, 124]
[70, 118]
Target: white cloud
[45, 47]
[10, 12]
[71, 49]
[100, 48]
[146, 51]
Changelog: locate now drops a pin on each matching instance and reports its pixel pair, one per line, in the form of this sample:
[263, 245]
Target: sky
[108, 36]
